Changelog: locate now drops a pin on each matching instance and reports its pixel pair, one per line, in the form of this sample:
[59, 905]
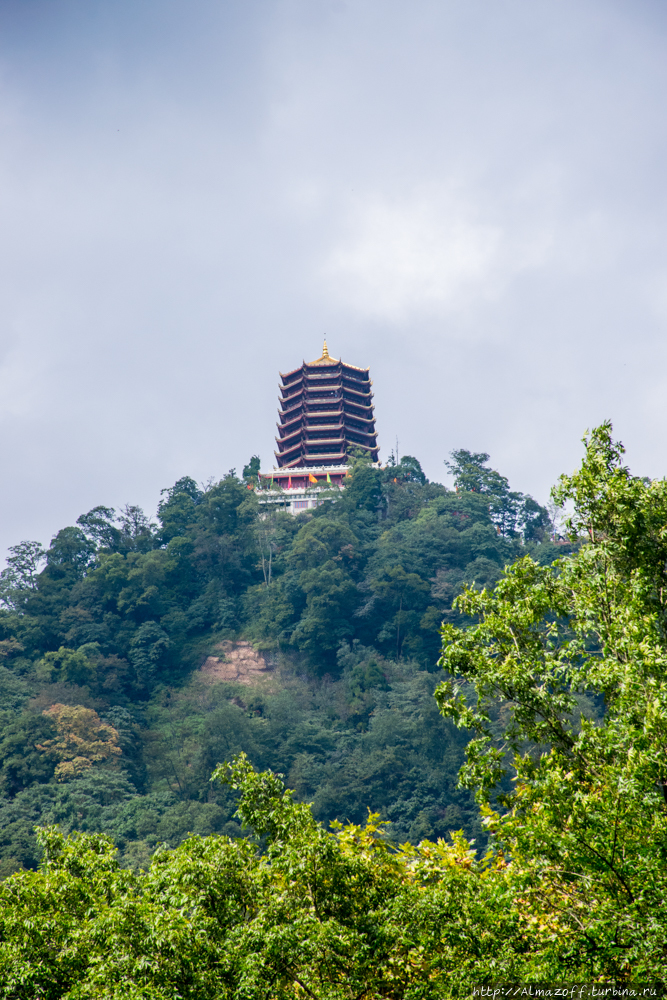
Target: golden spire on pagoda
[326, 358]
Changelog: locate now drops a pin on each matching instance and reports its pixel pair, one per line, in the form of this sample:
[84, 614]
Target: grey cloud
[467, 197]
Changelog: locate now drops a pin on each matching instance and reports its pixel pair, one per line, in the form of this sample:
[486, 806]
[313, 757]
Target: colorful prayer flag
[312, 478]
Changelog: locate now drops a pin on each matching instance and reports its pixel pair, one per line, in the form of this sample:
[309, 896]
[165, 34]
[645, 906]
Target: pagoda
[326, 413]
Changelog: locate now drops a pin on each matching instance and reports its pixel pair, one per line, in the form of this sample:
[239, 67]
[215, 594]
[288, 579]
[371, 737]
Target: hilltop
[137, 655]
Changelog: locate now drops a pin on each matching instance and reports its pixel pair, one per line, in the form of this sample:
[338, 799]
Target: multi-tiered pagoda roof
[326, 412]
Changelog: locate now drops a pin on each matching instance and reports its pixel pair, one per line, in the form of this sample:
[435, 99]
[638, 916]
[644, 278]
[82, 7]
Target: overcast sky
[467, 197]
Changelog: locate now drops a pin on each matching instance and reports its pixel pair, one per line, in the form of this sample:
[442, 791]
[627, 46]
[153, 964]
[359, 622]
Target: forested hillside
[108, 725]
[557, 673]
[554, 677]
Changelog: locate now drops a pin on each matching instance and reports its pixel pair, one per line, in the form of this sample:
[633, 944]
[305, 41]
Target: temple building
[326, 413]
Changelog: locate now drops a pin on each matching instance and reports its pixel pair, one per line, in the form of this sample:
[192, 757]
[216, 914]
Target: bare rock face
[239, 662]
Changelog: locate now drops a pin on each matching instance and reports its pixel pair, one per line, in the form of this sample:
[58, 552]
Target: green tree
[69, 555]
[137, 530]
[98, 525]
[20, 576]
[69, 665]
[513, 513]
[403, 598]
[148, 653]
[569, 666]
[251, 470]
[177, 511]
[408, 470]
[22, 763]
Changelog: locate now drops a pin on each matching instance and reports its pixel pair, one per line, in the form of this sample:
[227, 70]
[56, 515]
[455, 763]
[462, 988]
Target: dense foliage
[107, 724]
[576, 656]
[560, 670]
[309, 913]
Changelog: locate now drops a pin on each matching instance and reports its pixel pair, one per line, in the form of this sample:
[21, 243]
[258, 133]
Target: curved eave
[289, 439]
[331, 363]
[343, 365]
[364, 395]
[291, 428]
[356, 402]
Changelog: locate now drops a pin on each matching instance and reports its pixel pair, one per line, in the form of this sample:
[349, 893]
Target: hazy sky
[467, 197]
